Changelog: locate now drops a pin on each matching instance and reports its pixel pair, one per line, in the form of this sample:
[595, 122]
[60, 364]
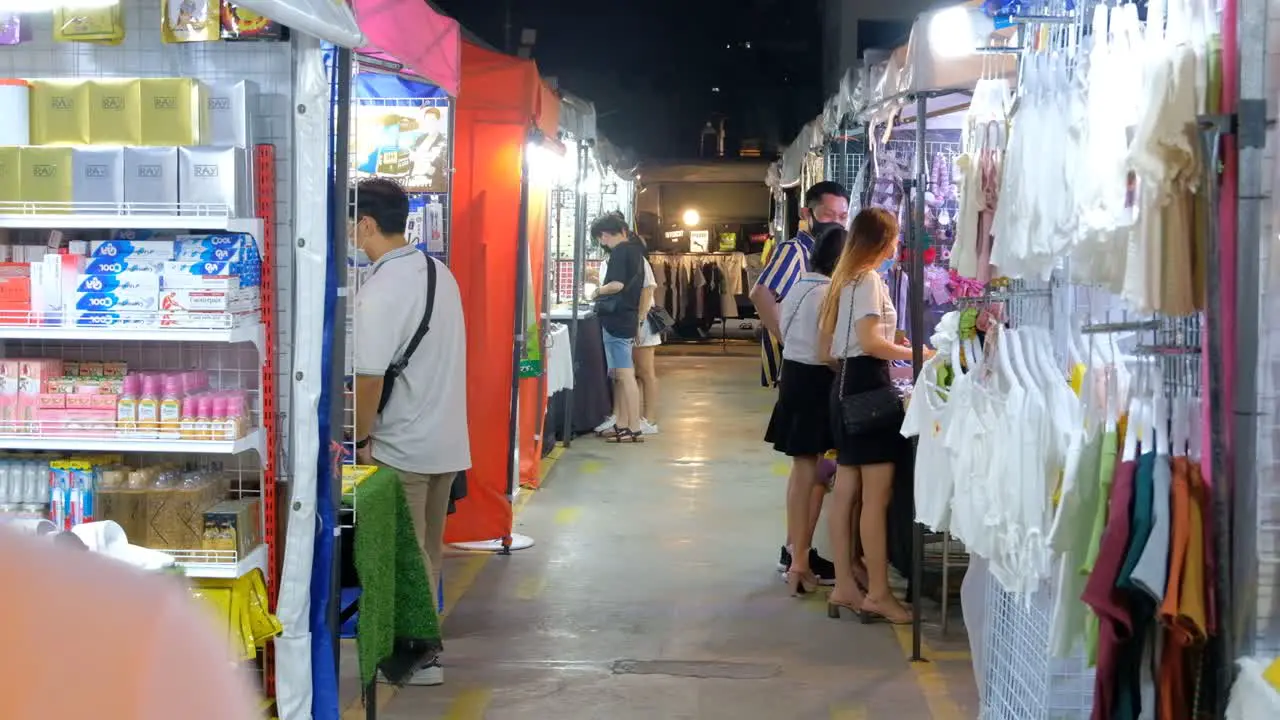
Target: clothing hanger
[1004, 368]
[1194, 417]
[1150, 406]
[1178, 427]
[1025, 378]
[1134, 431]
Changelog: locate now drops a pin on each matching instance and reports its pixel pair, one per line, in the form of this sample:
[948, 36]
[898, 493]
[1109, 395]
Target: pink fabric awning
[411, 33]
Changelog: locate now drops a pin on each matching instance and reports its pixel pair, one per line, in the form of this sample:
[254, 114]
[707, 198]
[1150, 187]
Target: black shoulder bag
[394, 372]
[870, 410]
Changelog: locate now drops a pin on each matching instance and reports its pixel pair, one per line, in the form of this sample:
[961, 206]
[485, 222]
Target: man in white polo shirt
[410, 369]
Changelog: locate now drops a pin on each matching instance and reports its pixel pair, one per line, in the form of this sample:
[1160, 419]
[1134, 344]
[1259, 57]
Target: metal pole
[521, 341]
[448, 215]
[579, 257]
[338, 336]
[1251, 138]
[916, 304]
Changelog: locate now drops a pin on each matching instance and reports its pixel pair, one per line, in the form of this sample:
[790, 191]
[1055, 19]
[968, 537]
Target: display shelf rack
[120, 443]
[228, 328]
[219, 564]
[127, 216]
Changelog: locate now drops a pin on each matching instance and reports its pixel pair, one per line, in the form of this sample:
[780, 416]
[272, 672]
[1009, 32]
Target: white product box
[214, 176]
[125, 282]
[193, 300]
[148, 250]
[97, 178]
[229, 112]
[151, 176]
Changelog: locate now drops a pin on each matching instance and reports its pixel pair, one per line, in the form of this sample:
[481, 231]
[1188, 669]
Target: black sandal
[626, 435]
[610, 433]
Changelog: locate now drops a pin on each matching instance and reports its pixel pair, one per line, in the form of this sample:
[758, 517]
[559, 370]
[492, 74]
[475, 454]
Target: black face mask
[816, 229]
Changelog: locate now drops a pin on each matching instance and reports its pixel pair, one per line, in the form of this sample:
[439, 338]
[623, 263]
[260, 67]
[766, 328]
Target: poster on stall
[699, 240]
[405, 140]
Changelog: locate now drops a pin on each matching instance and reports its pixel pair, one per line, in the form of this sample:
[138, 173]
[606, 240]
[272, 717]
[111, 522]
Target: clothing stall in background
[1131, 505]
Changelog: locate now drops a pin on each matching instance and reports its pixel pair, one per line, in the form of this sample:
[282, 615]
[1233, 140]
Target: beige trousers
[428, 498]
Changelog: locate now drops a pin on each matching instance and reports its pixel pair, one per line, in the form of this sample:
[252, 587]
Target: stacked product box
[187, 281]
[150, 143]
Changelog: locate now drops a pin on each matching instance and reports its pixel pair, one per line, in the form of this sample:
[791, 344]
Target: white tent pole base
[500, 545]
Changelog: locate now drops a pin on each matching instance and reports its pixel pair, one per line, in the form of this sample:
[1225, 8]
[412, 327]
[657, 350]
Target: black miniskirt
[862, 374]
[801, 420]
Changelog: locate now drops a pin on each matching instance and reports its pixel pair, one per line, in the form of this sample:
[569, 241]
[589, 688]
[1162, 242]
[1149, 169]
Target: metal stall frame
[579, 257]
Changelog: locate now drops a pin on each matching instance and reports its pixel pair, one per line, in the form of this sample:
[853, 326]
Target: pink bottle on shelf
[204, 417]
[127, 405]
[171, 405]
[149, 404]
[189, 413]
[235, 415]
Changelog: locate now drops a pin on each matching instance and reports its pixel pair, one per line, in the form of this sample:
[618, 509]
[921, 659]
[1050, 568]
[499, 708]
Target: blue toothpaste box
[126, 282]
[116, 266]
[97, 318]
[120, 302]
[149, 250]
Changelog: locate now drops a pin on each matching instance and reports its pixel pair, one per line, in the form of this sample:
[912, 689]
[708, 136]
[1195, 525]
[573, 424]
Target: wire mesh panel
[1022, 680]
[846, 164]
[142, 54]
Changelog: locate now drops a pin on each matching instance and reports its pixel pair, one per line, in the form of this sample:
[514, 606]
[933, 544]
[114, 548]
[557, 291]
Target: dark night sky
[650, 65]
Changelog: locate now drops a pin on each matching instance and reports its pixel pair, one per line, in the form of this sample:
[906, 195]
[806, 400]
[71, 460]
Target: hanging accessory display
[397, 368]
[870, 410]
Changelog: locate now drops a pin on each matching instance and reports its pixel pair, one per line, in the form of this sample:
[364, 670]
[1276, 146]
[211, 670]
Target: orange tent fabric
[501, 101]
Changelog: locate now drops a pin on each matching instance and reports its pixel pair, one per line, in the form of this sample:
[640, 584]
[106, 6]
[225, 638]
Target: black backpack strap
[397, 368]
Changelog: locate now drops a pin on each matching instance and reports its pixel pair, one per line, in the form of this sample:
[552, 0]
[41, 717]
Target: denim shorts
[617, 351]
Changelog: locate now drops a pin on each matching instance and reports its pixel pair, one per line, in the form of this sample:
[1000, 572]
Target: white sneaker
[608, 424]
[647, 428]
[428, 675]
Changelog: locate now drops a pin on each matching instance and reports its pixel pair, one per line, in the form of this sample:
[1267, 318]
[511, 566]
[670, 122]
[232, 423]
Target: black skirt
[800, 424]
[868, 448]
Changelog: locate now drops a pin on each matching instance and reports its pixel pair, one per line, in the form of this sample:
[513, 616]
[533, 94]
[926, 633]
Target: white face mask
[355, 254]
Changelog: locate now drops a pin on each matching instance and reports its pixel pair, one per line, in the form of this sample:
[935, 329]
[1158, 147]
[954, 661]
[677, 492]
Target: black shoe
[822, 567]
[784, 560]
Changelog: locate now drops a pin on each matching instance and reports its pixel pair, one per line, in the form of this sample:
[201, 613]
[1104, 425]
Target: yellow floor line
[932, 683]
[469, 705]
[849, 712]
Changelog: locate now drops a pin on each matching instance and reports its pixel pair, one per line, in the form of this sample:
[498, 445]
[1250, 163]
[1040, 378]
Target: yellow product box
[10, 186]
[115, 111]
[172, 111]
[59, 112]
[45, 175]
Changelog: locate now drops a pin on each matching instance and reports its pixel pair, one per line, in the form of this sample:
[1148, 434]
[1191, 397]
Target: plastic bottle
[235, 416]
[9, 497]
[220, 429]
[149, 404]
[171, 405]
[127, 406]
[204, 418]
[189, 421]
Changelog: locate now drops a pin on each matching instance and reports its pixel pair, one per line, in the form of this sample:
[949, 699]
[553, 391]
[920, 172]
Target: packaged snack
[190, 21]
[10, 28]
[240, 23]
[101, 24]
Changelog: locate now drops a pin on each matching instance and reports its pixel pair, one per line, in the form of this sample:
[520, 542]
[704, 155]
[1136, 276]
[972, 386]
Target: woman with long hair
[856, 329]
[800, 426]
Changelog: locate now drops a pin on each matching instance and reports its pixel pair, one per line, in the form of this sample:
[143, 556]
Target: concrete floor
[651, 592]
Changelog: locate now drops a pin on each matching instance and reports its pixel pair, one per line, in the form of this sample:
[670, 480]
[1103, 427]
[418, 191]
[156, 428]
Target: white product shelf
[219, 564]
[215, 327]
[127, 216]
[102, 441]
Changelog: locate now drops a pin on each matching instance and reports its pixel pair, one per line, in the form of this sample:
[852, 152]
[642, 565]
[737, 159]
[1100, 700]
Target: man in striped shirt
[825, 203]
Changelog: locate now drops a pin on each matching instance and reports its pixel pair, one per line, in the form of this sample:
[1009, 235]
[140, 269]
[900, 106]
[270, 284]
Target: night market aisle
[651, 592]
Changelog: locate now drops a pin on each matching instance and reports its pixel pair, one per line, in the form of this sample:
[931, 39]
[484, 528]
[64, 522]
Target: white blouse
[866, 297]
